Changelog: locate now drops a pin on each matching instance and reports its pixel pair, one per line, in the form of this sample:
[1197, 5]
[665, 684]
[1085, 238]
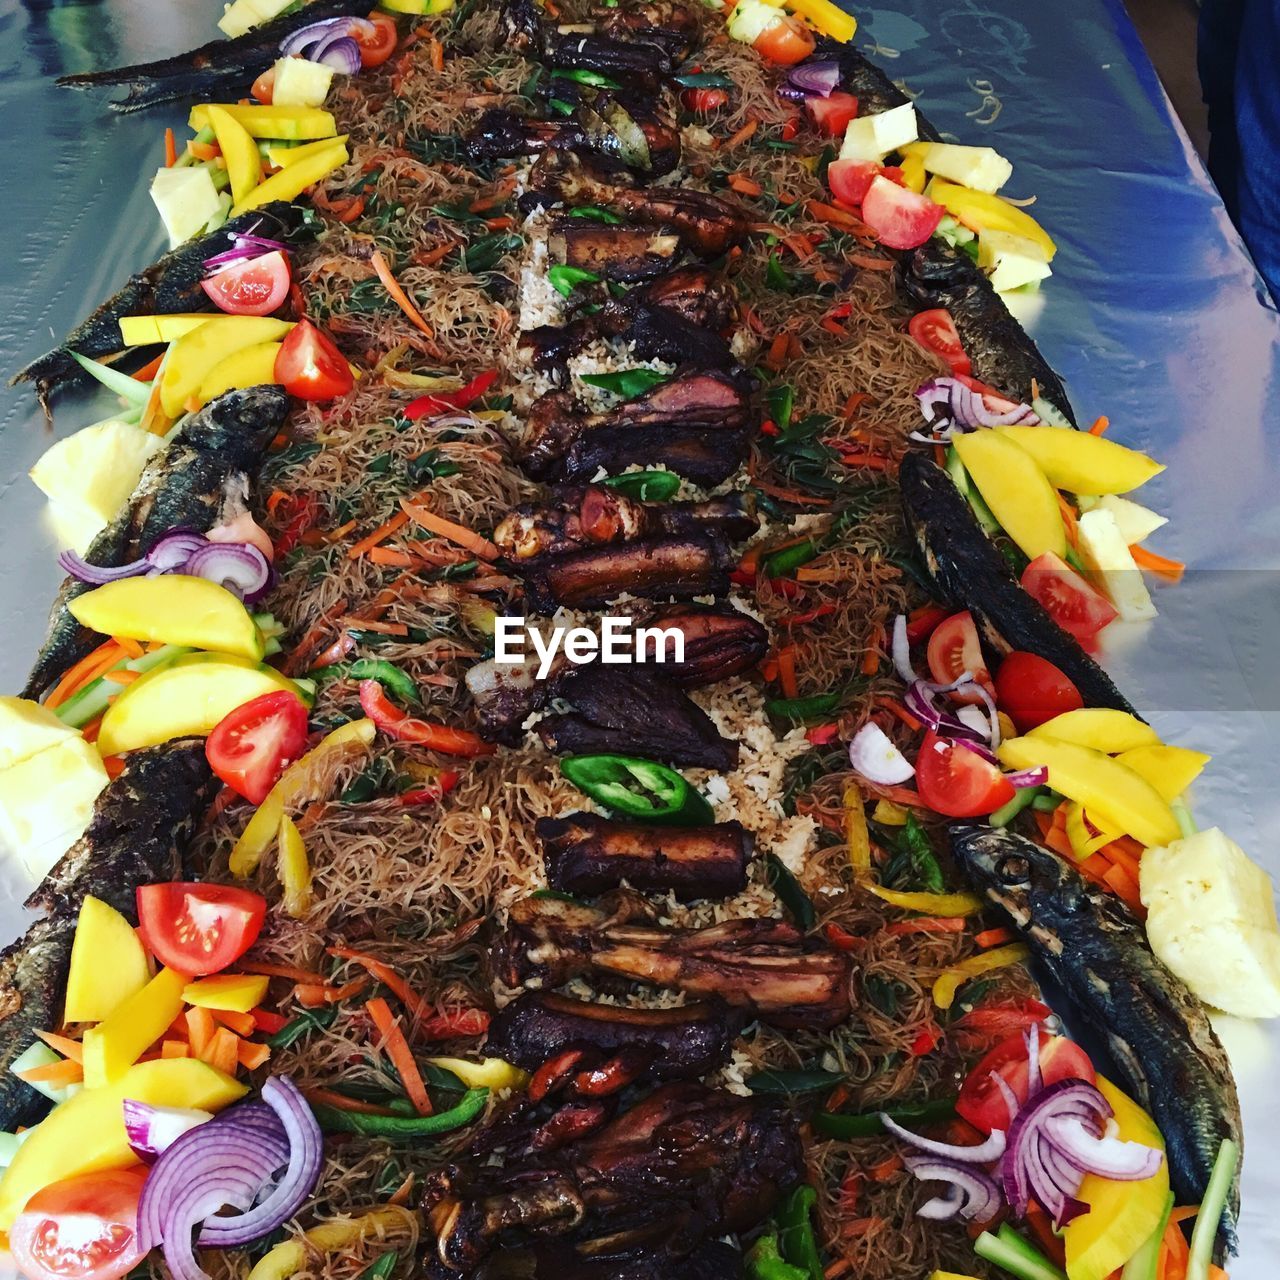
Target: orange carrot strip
[223, 1052]
[860, 458]
[380, 534]
[90, 667]
[64, 1045]
[57, 1075]
[927, 924]
[174, 1049]
[994, 937]
[340, 1102]
[204, 150]
[1161, 566]
[252, 1056]
[745, 186]
[397, 1048]
[1125, 888]
[787, 672]
[1069, 520]
[736, 139]
[312, 995]
[200, 1031]
[398, 295]
[418, 1008]
[432, 256]
[898, 711]
[1100, 426]
[457, 533]
[150, 369]
[290, 971]
[1185, 1213]
[170, 149]
[390, 558]
[241, 1023]
[123, 676]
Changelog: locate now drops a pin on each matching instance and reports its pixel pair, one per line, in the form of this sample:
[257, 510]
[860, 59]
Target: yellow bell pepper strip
[914, 176]
[145, 331]
[297, 780]
[421, 7]
[824, 15]
[288, 124]
[289, 1258]
[282, 157]
[949, 1275]
[239, 150]
[889, 814]
[293, 181]
[227, 992]
[492, 1073]
[951, 980]
[295, 870]
[855, 826]
[117, 1042]
[982, 212]
[929, 904]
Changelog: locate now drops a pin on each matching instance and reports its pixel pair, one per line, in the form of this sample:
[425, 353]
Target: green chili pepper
[776, 277]
[596, 214]
[796, 1239]
[382, 1268]
[483, 253]
[647, 486]
[303, 1024]
[794, 1081]
[560, 106]
[846, 1127]
[764, 1262]
[1047, 801]
[637, 788]
[627, 383]
[580, 75]
[703, 80]
[387, 674]
[334, 1120]
[781, 403]
[916, 844]
[778, 564]
[564, 280]
[789, 892]
[797, 709]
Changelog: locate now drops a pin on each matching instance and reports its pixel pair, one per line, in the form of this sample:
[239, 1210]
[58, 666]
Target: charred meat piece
[680, 1168]
[719, 641]
[678, 1044]
[172, 284]
[507, 694]
[200, 479]
[764, 966]
[587, 855]
[667, 21]
[706, 456]
[621, 253]
[573, 48]
[708, 225]
[137, 836]
[633, 711]
[970, 573]
[220, 71]
[555, 1260]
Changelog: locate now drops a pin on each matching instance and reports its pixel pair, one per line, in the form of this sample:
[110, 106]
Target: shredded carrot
[200, 1030]
[1174, 1253]
[313, 995]
[1122, 857]
[1161, 566]
[994, 937]
[432, 256]
[252, 1056]
[869, 263]
[1100, 426]
[460, 534]
[437, 55]
[854, 403]
[170, 149]
[860, 458]
[898, 711]
[57, 1075]
[340, 1102]
[398, 295]
[397, 1048]
[841, 1267]
[927, 924]
[787, 672]
[417, 1007]
[1070, 521]
[222, 1053]
[150, 369]
[290, 971]
[174, 1049]
[203, 150]
[1125, 888]
[871, 659]
[241, 1023]
[745, 186]
[64, 1045]
[88, 669]
[736, 139]
[123, 676]
[390, 558]
[800, 246]
[1185, 1213]
[836, 217]
[380, 534]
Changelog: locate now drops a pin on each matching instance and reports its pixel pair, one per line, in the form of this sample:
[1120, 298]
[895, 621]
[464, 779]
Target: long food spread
[572, 732]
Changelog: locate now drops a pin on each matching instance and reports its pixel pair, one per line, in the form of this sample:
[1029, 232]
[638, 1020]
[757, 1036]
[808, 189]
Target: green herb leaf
[564, 280]
[778, 1081]
[627, 383]
[646, 486]
[594, 213]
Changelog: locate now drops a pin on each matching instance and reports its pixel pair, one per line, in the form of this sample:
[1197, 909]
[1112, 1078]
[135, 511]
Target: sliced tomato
[900, 218]
[1074, 604]
[199, 928]
[254, 287]
[310, 366]
[953, 649]
[252, 747]
[406, 728]
[1032, 690]
[988, 392]
[936, 332]
[850, 179]
[377, 47]
[786, 42]
[704, 101]
[82, 1228]
[981, 1101]
[832, 114]
[264, 87]
[958, 782]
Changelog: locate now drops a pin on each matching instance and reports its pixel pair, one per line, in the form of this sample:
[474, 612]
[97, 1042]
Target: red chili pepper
[924, 622]
[553, 1072]
[840, 938]
[768, 428]
[268, 1022]
[743, 577]
[405, 728]
[303, 513]
[926, 1041]
[443, 401]
[432, 793]
[821, 734]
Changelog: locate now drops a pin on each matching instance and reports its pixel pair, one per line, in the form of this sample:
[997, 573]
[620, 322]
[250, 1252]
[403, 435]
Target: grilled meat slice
[705, 456]
[764, 966]
[938, 275]
[969, 572]
[587, 855]
[677, 1044]
[198, 480]
[140, 825]
[1165, 1050]
[621, 253]
[169, 285]
[634, 711]
[599, 1260]
[220, 71]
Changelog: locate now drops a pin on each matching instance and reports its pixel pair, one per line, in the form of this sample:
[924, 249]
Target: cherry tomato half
[252, 746]
[1071, 602]
[900, 218]
[254, 287]
[375, 49]
[983, 1105]
[264, 87]
[310, 366]
[704, 101]
[786, 42]
[1031, 690]
[831, 115]
[954, 649]
[82, 1228]
[850, 179]
[936, 332]
[957, 782]
[199, 928]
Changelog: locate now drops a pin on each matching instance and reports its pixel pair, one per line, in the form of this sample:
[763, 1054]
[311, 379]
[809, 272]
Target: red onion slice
[174, 551]
[153, 1130]
[97, 575]
[299, 41]
[949, 407]
[972, 1194]
[818, 79]
[341, 53]
[238, 566]
[1005, 1090]
[902, 651]
[992, 1149]
[1107, 1157]
[876, 758]
[1036, 777]
[245, 245]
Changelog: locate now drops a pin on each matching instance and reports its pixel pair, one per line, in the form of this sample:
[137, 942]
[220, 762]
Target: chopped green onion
[564, 280]
[121, 383]
[581, 75]
[1010, 1251]
[789, 892]
[1208, 1220]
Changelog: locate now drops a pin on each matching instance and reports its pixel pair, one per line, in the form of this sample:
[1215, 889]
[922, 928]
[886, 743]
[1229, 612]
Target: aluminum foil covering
[1154, 316]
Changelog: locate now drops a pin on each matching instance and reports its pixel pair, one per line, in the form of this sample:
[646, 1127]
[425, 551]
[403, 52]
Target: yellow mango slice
[982, 212]
[231, 992]
[283, 157]
[116, 1043]
[248, 367]
[146, 331]
[239, 150]
[1082, 463]
[1171, 770]
[293, 181]
[194, 356]
[1102, 728]
[1016, 490]
[108, 963]
[290, 124]
[1117, 796]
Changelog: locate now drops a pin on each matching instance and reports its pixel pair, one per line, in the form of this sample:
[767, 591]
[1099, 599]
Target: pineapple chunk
[978, 168]
[1107, 557]
[1212, 920]
[94, 472]
[300, 83]
[873, 137]
[187, 200]
[1136, 522]
[1012, 260]
[244, 15]
[27, 728]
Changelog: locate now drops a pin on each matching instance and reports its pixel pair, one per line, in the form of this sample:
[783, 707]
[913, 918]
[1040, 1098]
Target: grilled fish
[168, 286]
[1165, 1051]
[139, 829]
[219, 71]
[200, 479]
[969, 572]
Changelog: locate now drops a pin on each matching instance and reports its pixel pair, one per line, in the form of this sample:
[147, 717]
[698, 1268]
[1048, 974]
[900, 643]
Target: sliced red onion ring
[244, 245]
[174, 551]
[902, 651]
[876, 758]
[818, 79]
[299, 41]
[342, 53]
[153, 1130]
[949, 407]
[1107, 1157]
[1036, 777]
[984, 1153]
[918, 699]
[972, 1194]
[97, 575]
[238, 566]
[1005, 1090]
[979, 749]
